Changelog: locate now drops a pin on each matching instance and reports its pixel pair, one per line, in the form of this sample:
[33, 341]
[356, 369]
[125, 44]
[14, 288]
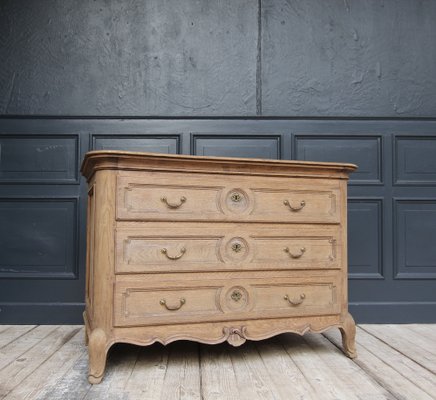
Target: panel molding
[277, 138]
[148, 136]
[398, 270]
[47, 181]
[397, 181]
[378, 271]
[73, 274]
[377, 181]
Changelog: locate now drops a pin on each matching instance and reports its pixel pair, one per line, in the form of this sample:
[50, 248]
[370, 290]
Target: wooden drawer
[177, 197]
[139, 301]
[144, 248]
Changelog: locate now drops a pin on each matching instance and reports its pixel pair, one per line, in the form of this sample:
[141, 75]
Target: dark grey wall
[205, 57]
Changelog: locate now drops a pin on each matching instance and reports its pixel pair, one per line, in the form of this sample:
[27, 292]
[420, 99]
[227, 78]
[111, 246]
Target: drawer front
[220, 247]
[141, 302]
[177, 197]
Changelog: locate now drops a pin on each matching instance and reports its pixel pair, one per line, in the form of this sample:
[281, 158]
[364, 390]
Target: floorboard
[394, 362]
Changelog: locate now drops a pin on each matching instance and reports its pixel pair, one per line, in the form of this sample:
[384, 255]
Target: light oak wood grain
[212, 250]
[169, 247]
[182, 197]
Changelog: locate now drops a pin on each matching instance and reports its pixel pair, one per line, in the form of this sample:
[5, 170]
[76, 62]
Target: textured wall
[140, 57]
[349, 57]
[207, 57]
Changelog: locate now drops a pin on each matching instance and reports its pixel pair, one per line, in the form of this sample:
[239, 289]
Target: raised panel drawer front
[139, 301]
[199, 197]
[165, 247]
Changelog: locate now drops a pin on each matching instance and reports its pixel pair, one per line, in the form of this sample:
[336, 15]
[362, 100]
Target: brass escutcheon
[236, 247]
[236, 295]
[236, 197]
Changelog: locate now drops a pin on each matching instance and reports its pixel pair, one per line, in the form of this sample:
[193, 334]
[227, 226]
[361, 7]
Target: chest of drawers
[212, 249]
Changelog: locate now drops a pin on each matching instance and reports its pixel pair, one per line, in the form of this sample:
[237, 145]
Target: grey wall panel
[348, 58]
[415, 235]
[38, 238]
[231, 146]
[365, 244]
[39, 159]
[364, 151]
[415, 160]
[148, 143]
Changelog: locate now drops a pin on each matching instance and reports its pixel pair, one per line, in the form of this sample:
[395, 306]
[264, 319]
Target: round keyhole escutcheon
[236, 298]
[236, 197]
[236, 201]
[236, 249]
[236, 295]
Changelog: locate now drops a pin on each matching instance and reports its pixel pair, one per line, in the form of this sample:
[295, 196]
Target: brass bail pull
[293, 255]
[173, 205]
[163, 303]
[165, 252]
[292, 208]
[295, 302]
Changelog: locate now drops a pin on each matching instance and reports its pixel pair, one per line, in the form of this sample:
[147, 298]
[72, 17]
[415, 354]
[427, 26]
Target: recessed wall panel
[364, 151]
[415, 239]
[38, 238]
[365, 239]
[231, 146]
[415, 160]
[38, 159]
[152, 144]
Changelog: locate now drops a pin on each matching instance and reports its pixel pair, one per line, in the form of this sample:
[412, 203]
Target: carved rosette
[235, 336]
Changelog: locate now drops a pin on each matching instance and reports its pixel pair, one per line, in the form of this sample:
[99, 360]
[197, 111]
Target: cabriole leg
[97, 348]
[348, 331]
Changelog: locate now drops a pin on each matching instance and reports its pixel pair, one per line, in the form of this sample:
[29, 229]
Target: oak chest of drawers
[212, 249]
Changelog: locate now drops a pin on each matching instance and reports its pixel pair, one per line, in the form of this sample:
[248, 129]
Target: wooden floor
[394, 362]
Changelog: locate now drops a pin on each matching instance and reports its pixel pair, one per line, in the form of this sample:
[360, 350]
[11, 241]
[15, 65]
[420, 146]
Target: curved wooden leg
[348, 331]
[97, 350]
[85, 320]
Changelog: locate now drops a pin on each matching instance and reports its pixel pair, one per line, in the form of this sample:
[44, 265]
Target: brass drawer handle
[295, 302]
[172, 205]
[165, 251]
[163, 302]
[292, 255]
[287, 203]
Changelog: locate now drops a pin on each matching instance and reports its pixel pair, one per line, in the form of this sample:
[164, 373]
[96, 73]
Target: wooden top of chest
[136, 161]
